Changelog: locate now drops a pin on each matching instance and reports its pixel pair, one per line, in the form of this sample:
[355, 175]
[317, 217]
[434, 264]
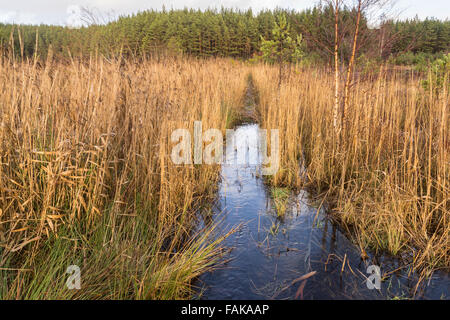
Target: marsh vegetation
[86, 176]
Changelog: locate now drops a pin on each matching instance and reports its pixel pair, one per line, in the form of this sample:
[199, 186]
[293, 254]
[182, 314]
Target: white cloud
[55, 11]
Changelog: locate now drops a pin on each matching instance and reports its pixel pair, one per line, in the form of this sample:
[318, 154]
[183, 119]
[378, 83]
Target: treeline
[227, 32]
[429, 36]
[414, 41]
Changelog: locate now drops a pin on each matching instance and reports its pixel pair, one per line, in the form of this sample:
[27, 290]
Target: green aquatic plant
[280, 197]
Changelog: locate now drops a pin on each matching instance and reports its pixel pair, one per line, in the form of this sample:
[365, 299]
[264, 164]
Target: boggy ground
[86, 176]
[385, 175]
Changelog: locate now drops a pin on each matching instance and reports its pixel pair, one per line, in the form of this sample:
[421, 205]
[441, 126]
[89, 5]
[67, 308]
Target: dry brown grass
[85, 169]
[386, 175]
[86, 176]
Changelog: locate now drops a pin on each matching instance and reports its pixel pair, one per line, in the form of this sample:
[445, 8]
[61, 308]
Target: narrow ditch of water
[270, 255]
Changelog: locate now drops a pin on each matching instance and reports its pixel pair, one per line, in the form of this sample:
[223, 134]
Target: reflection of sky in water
[269, 253]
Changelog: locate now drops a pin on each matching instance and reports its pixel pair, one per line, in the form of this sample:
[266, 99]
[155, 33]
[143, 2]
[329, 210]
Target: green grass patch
[280, 197]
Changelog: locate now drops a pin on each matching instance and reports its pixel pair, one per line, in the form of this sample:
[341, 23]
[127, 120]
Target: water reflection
[270, 255]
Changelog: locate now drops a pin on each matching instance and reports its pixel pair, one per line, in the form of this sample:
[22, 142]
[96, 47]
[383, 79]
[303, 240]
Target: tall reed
[386, 174]
[86, 176]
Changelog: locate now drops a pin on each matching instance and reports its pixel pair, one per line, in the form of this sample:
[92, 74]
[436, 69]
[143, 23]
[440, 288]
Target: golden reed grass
[86, 175]
[386, 175]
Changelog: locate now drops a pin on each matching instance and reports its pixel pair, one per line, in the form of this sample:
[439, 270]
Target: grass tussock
[280, 198]
[386, 173]
[86, 176]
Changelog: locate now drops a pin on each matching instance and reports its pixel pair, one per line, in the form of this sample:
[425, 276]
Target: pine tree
[282, 49]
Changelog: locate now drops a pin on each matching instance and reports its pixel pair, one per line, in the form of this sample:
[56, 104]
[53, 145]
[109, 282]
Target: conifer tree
[282, 49]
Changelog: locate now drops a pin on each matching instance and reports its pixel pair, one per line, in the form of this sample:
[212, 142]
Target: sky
[66, 12]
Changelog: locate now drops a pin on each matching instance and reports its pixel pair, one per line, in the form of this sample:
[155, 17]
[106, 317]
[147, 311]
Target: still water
[269, 255]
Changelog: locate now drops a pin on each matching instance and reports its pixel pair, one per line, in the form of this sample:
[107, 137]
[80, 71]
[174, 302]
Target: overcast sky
[65, 12]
